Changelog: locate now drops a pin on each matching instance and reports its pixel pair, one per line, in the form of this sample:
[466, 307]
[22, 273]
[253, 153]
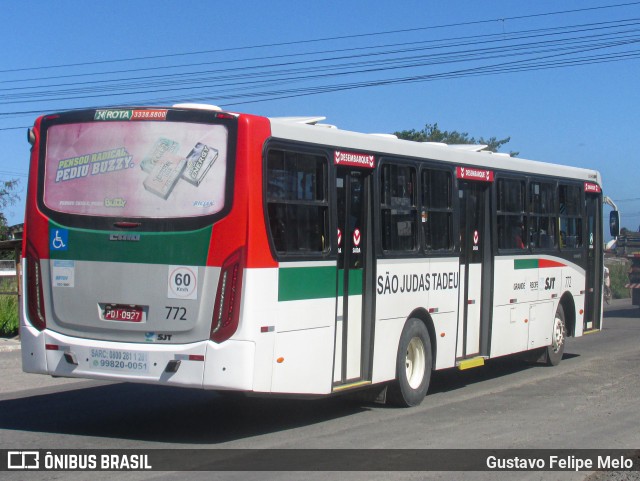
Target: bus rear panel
[133, 257]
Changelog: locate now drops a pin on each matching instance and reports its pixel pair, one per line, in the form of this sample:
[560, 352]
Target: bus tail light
[226, 313]
[35, 299]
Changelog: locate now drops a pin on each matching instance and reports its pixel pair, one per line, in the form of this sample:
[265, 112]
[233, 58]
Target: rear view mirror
[614, 223]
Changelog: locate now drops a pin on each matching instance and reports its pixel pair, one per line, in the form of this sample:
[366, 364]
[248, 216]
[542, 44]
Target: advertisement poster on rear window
[141, 169]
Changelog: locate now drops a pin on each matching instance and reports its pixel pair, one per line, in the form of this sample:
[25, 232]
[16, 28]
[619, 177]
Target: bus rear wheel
[413, 366]
[558, 338]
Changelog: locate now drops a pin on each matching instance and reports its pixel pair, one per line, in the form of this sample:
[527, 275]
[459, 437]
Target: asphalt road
[591, 400]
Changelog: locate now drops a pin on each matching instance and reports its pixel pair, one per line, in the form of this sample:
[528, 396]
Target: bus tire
[413, 366]
[558, 338]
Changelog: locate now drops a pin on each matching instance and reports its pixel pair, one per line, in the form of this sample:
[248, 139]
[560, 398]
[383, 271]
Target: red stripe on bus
[542, 263]
[245, 224]
[36, 224]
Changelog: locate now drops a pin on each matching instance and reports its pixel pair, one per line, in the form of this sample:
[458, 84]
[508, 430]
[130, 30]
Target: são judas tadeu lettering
[407, 283]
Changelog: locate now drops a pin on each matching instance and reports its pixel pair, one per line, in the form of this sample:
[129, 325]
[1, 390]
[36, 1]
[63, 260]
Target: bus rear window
[154, 170]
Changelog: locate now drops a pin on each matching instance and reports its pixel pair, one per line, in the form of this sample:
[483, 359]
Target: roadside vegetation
[8, 308]
[8, 316]
[618, 274]
[9, 195]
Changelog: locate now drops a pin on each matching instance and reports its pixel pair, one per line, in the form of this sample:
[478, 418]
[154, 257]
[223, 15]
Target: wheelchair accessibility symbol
[58, 239]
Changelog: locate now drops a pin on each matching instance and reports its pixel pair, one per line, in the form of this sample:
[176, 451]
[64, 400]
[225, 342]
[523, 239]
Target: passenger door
[475, 262]
[354, 287]
[593, 242]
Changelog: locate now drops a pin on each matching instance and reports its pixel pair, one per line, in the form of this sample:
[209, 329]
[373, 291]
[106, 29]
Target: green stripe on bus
[525, 264]
[175, 248]
[300, 283]
[297, 283]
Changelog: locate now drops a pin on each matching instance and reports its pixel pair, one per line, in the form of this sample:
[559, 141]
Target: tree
[432, 133]
[8, 197]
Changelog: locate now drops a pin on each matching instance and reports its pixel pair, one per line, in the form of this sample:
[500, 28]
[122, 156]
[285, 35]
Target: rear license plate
[117, 312]
[117, 360]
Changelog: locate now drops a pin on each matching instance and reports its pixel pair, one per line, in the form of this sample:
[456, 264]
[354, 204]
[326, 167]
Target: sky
[560, 78]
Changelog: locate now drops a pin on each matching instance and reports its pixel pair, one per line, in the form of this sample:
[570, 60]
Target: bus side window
[399, 212]
[297, 205]
[512, 222]
[570, 213]
[543, 215]
[437, 211]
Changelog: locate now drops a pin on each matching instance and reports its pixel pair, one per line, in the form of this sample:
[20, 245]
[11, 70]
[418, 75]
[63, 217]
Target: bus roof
[308, 129]
[305, 129]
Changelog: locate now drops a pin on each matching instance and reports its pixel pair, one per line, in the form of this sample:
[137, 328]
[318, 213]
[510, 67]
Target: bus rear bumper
[204, 364]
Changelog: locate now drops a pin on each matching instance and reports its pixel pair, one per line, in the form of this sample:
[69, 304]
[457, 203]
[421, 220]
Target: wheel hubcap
[415, 362]
[558, 334]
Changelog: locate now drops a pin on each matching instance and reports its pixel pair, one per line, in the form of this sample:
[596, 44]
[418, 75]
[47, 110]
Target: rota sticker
[183, 282]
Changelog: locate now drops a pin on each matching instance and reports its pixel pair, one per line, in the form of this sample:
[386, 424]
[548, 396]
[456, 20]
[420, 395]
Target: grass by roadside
[8, 316]
[618, 273]
[9, 321]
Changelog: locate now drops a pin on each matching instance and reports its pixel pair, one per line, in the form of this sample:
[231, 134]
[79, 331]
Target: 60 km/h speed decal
[183, 282]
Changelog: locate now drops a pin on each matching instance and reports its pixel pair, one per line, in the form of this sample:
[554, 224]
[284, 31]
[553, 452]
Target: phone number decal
[122, 365]
[123, 361]
[149, 115]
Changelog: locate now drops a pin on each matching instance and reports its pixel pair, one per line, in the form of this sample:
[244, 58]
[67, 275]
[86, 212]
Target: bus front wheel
[413, 366]
[558, 338]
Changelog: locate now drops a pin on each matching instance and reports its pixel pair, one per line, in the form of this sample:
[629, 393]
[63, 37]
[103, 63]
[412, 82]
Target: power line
[428, 44]
[407, 47]
[326, 39]
[526, 50]
[242, 97]
[13, 128]
[330, 70]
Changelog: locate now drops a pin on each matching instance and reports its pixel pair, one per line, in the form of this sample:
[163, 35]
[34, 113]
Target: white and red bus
[189, 246]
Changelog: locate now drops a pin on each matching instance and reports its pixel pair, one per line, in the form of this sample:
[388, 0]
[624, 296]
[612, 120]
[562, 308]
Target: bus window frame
[420, 252]
[497, 213]
[330, 251]
[528, 214]
[417, 251]
[580, 215]
[554, 214]
[452, 211]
